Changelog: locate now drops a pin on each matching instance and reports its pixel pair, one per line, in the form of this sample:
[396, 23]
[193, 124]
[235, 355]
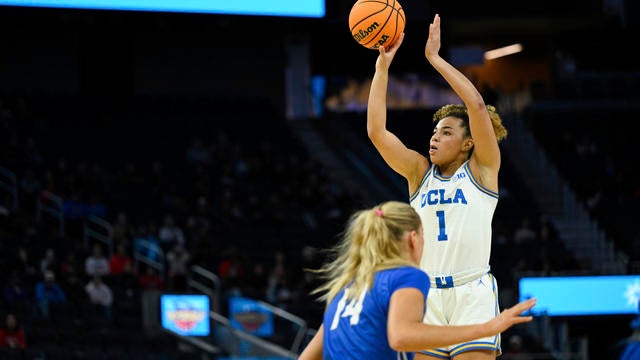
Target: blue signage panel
[582, 295]
[291, 8]
[185, 314]
[250, 316]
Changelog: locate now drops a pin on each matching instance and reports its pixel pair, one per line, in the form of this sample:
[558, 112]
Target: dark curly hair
[460, 111]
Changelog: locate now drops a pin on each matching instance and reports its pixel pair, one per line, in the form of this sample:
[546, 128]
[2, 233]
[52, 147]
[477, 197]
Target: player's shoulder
[405, 273]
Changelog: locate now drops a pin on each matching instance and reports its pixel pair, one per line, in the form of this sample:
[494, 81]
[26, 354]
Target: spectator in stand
[47, 292]
[122, 230]
[120, 260]
[279, 266]
[147, 244]
[305, 283]
[95, 206]
[151, 280]
[49, 261]
[547, 232]
[100, 294]
[524, 234]
[279, 291]
[158, 178]
[178, 260]
[70, 263]
[257, 282]
[197, 152]
[96, 263]
[170, 234]
[232, 272]
[25, 267]
[126, 286]
[14, 291]
[514, 348]
[71, 277]
[31, 152]
[12, 335]
[172, 200]
[74, 207]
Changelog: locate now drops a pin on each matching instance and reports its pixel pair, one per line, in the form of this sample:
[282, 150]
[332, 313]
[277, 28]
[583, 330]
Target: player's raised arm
[401, 159]
[486, 151]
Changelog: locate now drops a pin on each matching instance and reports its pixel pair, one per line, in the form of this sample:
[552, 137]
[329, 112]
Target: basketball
[376, 23]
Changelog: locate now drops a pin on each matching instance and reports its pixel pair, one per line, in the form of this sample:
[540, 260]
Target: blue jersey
[631, 351]
[358, 329]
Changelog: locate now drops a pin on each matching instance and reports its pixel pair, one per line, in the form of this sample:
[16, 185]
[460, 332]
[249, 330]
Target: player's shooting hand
[387, 54]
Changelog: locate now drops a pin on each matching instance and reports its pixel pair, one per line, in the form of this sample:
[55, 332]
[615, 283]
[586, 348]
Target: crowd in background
[255, 210]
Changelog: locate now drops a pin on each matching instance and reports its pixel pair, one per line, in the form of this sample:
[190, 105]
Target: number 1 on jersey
[442, 235]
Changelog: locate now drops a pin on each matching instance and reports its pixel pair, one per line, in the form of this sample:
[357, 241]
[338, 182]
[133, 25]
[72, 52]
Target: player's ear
[468, 144]
[415, 246]
[413, 238]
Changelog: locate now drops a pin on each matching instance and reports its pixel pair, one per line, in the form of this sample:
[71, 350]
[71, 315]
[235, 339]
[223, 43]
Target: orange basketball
[376, 22]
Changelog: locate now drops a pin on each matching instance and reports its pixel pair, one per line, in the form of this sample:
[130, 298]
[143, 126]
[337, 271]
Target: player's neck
[449, 169]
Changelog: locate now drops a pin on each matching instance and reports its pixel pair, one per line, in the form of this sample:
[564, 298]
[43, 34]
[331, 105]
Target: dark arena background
[167, 177]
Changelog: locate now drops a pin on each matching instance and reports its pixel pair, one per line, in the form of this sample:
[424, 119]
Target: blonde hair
[460, 111]
[371, 242]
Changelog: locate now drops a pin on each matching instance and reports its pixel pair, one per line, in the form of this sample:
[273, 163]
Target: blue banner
[583, 295]
[292, 8]
[186, 315]
[250, 316]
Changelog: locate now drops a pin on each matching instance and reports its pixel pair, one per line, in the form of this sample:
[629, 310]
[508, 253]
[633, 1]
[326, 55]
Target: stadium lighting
[503, 51]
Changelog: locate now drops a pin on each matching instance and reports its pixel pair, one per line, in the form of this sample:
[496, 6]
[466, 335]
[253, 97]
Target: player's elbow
[375, 134]
[398, 342]
[372, 132]
[476, 105]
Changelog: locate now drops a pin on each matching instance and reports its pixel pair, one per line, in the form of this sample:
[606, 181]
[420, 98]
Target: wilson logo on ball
[361, 34]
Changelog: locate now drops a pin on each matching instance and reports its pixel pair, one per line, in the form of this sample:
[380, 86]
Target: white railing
[300, 322]
[95, 228]
[233, 339]
[213, 292]
[302, 333]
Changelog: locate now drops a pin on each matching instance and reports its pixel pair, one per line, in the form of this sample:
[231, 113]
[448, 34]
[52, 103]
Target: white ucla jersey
[456, 214]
